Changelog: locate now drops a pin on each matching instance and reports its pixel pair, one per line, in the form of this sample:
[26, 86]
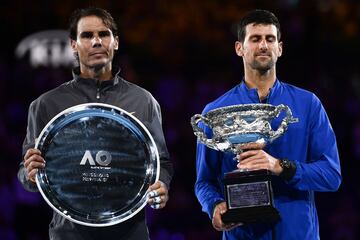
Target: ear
[73, 45]
[116, 43]
[239, 48]
[280, 48]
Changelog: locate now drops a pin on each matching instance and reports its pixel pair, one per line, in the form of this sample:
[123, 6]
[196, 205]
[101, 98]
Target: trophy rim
[153, 151]
[240, 108]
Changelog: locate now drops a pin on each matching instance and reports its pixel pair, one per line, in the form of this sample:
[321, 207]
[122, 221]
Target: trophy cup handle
[199, 133]
[284, 123]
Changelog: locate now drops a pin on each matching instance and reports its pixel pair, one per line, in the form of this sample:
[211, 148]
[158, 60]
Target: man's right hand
[217, 223]
[32, 162]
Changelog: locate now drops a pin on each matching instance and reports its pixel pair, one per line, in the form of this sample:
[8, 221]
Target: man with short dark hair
[94, 41]
[304, 160]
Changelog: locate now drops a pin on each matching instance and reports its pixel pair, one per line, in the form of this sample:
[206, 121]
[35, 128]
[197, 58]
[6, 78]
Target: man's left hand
[158, 195]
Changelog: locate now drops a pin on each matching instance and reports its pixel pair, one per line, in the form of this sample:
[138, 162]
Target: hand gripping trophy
[248, 194]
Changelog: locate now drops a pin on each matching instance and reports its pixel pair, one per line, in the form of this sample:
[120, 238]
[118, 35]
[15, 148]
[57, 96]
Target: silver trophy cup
[248, 194]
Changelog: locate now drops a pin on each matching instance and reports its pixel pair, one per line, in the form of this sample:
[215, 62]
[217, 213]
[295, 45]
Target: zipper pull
[98, 90]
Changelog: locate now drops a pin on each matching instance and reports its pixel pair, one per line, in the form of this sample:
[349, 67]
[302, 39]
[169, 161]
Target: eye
[104, 34]
[255, 39]
[271, 39]
[86, 35]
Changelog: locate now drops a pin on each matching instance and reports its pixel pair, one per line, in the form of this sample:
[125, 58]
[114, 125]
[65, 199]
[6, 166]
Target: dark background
[183, 52]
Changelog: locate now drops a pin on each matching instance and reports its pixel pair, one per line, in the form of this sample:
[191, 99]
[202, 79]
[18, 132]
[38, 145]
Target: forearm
[319, 176]
[208, 194]
[166, 171]
[320, 168]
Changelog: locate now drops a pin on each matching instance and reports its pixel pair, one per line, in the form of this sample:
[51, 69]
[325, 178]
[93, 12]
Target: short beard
[262, 69]
[97, 67]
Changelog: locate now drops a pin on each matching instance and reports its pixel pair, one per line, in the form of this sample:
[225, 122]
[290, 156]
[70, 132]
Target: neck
[101, 73]
[262, 81]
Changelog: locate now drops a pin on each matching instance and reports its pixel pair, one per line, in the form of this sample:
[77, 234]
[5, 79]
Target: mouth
[262, 55]
[97, 54]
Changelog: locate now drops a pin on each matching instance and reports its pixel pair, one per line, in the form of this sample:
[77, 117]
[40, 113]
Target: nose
[263, 45]
[96, 41]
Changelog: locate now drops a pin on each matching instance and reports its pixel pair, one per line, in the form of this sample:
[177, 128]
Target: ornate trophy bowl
[236, 128]
[100, 161]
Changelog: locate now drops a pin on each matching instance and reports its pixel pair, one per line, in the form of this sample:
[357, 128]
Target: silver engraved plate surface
[248, 194]
[236, 126]
[100, 161]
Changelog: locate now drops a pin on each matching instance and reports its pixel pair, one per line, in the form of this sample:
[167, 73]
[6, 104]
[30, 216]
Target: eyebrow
[86, 34]
[90, 33]
[105, 32]
[259, 35]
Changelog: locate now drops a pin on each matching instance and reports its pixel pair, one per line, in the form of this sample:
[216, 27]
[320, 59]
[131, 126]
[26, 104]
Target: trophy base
[249, 197]
[251, 215]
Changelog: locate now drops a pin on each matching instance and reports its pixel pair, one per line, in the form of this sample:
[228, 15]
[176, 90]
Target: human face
[95, 43]
[261, 48]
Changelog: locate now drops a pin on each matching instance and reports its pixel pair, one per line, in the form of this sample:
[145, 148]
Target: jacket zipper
[267, 97]
[98, 90]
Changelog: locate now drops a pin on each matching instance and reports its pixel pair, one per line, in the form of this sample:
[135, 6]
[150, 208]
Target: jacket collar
[253, 94]
[111, 82]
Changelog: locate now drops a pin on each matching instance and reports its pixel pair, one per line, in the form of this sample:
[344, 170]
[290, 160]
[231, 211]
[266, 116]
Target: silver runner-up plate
[100, 162]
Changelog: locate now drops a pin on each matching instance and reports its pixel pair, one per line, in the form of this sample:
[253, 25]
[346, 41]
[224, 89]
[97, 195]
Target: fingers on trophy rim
[157, 199]
[153, 193]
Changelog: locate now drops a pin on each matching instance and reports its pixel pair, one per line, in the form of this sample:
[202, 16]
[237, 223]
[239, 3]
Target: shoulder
[137, 92]
[61, 89]
[299, 98]
[50, 94]
[299, 93]
[296, 90]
